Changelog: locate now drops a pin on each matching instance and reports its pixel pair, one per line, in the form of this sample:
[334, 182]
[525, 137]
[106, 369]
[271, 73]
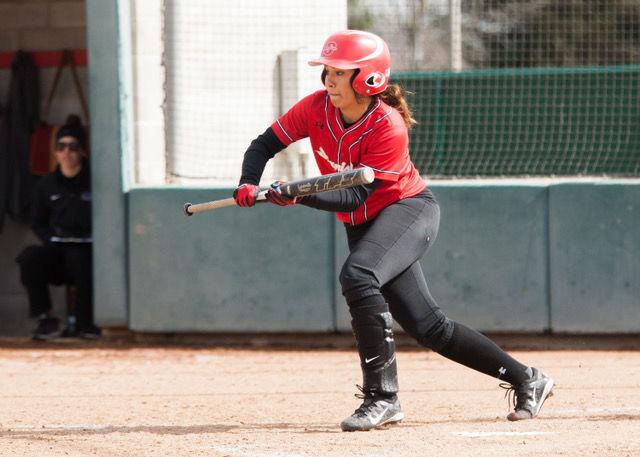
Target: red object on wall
[46, 59]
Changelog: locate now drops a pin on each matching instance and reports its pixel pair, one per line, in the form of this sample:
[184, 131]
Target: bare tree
[555, 33]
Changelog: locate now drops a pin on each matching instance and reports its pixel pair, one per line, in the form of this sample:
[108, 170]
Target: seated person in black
[61, 218]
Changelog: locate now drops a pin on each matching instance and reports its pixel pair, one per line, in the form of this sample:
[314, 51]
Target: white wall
[222, 79]
[148, 88]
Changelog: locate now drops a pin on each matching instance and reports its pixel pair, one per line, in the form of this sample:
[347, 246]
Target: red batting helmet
[365, 51]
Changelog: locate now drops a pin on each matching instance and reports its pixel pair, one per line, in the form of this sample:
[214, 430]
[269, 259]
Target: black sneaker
[530, 395]
[47, 328]
[71, 330]
[90, 332]
[374, 412]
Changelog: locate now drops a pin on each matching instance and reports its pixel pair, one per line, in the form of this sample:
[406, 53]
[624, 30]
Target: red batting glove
[245, 195]
[275, 196]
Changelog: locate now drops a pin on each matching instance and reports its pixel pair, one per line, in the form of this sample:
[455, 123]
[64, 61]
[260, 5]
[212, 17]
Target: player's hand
[275, 196]
[245, 195]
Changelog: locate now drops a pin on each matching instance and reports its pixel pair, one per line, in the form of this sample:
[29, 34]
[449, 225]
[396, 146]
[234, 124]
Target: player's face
[68, 152]
[338, 85]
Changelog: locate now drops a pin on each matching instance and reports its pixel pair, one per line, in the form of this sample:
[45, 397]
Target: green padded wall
[509, 257]
[488, 265]
[261, 269]
[595, 257]
[109, 198]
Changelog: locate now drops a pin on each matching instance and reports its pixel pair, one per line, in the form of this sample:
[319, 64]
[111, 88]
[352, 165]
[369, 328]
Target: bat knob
[186, 209]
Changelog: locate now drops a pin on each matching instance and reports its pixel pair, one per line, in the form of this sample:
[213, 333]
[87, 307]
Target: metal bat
[310, 186]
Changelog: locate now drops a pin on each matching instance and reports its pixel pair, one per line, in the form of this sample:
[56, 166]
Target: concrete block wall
[45, 25]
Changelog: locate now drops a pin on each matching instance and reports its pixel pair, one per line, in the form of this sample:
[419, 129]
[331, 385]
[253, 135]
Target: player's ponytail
[393, 96]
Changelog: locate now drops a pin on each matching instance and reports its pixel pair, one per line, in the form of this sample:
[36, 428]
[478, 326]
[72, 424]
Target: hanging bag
[42, 144]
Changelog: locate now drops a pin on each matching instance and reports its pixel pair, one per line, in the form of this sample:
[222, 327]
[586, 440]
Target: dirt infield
[101, 400]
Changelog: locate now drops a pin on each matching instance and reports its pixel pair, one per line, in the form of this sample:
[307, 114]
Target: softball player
[360, 120]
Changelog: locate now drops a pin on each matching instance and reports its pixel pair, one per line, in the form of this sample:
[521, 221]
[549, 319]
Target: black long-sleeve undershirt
[342, 200]
[263, 148]
[267, 145]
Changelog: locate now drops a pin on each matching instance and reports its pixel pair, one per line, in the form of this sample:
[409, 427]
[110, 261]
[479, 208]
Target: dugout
[44, 29]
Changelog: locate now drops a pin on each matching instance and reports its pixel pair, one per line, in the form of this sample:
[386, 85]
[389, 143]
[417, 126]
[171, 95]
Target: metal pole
[455, 29]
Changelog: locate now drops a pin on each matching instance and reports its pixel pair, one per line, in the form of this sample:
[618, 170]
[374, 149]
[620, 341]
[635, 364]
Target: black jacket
[61, 207]
[20, 119]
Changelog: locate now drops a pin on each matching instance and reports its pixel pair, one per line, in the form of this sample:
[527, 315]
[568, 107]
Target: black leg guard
[372, 327]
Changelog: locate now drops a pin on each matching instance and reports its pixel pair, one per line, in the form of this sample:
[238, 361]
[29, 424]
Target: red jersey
[378, 140]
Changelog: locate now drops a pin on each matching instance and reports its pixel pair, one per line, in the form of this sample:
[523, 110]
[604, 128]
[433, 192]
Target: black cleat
[375, 411]
[530, 396]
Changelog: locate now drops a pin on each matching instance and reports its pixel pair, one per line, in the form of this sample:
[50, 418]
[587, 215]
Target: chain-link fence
[535, 87]
[499, 87]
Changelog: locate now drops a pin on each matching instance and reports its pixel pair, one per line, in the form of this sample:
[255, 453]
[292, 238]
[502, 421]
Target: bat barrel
[326, 183]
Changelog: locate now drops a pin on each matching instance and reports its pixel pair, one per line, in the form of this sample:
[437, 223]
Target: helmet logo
[375, 80]
[329, 48]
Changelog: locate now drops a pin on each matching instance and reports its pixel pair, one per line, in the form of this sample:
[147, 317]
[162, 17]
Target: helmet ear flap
[372, 81]
[375, 80]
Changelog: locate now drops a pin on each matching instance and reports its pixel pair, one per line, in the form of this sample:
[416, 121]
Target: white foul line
[239, 451]
[491, 434]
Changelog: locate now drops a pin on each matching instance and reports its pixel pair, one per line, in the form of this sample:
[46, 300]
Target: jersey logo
[337, 167]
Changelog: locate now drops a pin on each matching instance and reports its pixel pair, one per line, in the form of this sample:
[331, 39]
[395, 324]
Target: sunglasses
[73, 146]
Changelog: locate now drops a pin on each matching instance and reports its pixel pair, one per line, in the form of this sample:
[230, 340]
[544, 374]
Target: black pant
[58, 264]
[383, 266]
[384, 259]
